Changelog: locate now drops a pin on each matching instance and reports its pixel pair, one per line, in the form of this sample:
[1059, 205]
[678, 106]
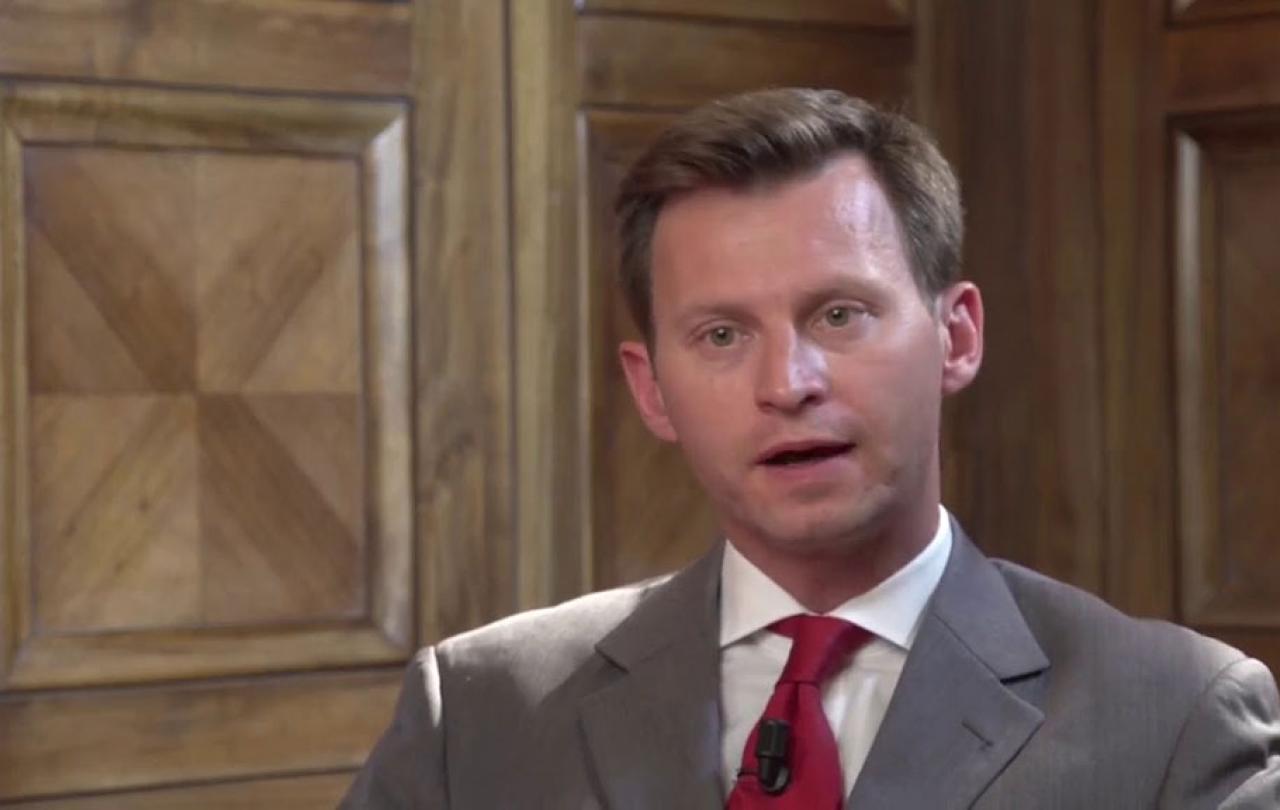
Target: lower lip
[809, 471]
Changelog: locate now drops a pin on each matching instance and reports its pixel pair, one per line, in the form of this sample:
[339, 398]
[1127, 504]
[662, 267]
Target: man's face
[795, 361]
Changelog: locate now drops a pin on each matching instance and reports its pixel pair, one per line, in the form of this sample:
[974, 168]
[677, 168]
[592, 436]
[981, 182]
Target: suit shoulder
[1074, 625]
[566, 632]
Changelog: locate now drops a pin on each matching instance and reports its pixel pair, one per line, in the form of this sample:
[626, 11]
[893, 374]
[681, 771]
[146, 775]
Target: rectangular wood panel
[650, 515]
[336, 45]
[1227, 66]
[878, 13]
[210, 391]
[1195, 11]
[671, 63]
[463, 316]
[113, 740]
[277, 793]
[552, 499]
[1228, 370]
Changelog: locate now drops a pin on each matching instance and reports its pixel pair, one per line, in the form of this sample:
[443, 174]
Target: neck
[823, 580]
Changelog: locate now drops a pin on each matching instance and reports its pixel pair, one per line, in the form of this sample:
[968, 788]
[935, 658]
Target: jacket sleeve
[406, 770]
[1228, 754]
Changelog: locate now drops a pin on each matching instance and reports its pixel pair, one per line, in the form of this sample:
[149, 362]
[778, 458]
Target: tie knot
[819, 645]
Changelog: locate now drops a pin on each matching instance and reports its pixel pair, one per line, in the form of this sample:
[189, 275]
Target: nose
[792, 374]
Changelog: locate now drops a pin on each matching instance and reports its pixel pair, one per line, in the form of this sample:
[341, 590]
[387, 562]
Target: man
[792, 259]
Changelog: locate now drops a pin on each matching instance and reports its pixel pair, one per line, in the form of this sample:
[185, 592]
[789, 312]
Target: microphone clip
[773, 743]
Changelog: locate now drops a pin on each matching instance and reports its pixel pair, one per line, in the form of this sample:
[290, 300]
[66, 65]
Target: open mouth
[807, 454]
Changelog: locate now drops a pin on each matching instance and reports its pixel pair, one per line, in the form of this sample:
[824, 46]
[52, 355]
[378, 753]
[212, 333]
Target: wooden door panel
[95, 740]
[211, 384]
[649, 513]
[1228, 274]
[668, 62]
[277, 793]
[1226, 66]
[337, 45]
[878, 13]
[1194, 11]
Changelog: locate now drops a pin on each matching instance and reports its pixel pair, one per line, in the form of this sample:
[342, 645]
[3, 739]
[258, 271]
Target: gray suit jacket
[1020, 692]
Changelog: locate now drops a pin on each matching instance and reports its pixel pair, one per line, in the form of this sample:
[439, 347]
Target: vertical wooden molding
[1196, 332]
[463, 313]
[15, 597]
[552, 402]
[1065, 280]
[1138, 425]
[936, 95]
[390, 439]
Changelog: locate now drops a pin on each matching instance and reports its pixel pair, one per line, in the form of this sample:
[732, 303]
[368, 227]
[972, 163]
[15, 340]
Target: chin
[826, 529]
[822, 534]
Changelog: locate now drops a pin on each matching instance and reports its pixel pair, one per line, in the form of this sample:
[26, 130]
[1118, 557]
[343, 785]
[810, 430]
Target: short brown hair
[776, 135]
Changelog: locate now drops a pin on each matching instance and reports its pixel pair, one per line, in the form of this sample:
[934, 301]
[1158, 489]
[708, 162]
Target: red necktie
[820, 645]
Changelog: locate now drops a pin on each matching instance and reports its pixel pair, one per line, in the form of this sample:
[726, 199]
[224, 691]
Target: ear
[643, 382]
[960, 322]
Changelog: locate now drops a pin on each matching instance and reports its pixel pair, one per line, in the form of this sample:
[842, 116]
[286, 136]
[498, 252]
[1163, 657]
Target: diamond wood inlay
[114, 479]
[268, 245]
[205, 413]
[278, 295]
[276, 543]
[111, 245]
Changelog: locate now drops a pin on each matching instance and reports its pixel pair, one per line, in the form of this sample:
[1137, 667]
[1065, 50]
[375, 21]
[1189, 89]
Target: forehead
[837, 219]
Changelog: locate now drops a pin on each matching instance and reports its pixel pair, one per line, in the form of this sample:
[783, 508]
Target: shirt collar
[750, 601]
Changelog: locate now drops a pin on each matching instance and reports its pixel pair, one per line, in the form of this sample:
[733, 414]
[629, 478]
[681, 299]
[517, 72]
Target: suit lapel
[654, 732]
[957, 716]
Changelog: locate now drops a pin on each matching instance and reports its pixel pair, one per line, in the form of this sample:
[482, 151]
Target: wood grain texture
[876, 13]
[335, 46]
[937, 98]
[552, 342]
[1137, 298]
[651, 62]
[116, 542]
[142, 656]
[650, 514]
[111, 293]
[388, 322]
[260, 215]
[248, 306]
[463, 314]
[15, 504]
[1226, 66]
[1197, 11]
[92, 741]
[1229, 431]
[133, 117]
[1024, 457]
[280, 509]
[277, 792]
[278, 275]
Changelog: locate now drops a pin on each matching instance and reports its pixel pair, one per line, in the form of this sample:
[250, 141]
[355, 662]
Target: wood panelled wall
[214, 220]
[309, 327]
[1120, 171]
[599, 499]
[307, 356]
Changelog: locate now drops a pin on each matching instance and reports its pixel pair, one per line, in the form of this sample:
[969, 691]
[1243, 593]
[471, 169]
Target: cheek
[710, 414]
[895, 397]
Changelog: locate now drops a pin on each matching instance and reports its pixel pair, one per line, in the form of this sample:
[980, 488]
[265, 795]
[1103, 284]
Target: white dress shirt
[855, 698]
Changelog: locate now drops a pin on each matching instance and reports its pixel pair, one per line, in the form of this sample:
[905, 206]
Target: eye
[838, 316]
[721, 337]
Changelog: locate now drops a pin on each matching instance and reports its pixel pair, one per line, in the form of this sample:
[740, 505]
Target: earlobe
[643, 382]
[962, 319]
